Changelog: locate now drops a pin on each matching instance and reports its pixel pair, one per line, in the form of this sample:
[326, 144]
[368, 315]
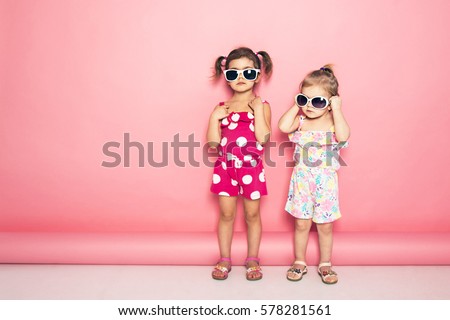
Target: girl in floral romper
[319, 133]
[239, 128]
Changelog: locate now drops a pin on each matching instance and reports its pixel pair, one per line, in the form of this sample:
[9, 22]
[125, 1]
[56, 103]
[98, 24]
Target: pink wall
[77, 74]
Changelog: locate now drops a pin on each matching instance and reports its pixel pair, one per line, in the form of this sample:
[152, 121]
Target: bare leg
[254, 229]
[225, 229]
[325, 232]
[301, 236]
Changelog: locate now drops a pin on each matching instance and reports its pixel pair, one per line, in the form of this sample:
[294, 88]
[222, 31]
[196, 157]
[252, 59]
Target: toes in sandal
[222, 269]
[326, 274]
[296, 273]
[253, 273]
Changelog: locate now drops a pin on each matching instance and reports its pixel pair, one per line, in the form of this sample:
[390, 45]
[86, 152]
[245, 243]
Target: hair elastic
[224, 61]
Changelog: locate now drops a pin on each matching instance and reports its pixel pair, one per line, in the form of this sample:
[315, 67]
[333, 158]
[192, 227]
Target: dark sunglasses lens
[319, 102]
[231, 75]
[250, 74]
[301, 100]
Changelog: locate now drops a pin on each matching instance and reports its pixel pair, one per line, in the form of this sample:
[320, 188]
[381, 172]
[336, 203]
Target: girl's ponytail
[218, 66]
[328, 68]
[266, 61]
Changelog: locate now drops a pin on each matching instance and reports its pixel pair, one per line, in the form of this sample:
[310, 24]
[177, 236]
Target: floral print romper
[313, 189]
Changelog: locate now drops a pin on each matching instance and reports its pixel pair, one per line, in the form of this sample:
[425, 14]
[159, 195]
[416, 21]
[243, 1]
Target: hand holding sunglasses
[248, 74]
[335, 102]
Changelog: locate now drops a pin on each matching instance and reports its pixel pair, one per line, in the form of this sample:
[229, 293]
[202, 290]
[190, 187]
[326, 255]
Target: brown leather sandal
[253, 273]
[223, 270]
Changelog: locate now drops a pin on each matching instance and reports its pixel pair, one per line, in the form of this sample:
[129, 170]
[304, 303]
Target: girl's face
[311, 92]
[241, 84]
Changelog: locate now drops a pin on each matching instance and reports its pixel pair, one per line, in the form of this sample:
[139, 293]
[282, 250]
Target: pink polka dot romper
[239, 168]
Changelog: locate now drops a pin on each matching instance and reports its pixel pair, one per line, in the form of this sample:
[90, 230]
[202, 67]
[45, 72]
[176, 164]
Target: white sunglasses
[248, 74]
[318, 102]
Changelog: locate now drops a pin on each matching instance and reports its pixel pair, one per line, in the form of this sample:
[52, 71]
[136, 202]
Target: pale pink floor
[119, 282]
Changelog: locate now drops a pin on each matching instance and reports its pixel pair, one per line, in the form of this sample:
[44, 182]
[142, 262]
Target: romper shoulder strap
[302, 121]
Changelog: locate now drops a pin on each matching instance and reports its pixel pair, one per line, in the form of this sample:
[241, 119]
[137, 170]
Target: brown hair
[323, 77]
[248, 53]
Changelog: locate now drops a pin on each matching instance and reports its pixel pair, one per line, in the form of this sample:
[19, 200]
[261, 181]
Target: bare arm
[263, 118]
[341, 126]
[214, 134]
[290, 120]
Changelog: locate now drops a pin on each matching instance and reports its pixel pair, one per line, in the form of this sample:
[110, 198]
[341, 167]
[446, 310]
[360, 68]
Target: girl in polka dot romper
[318, 135]
[238, 128]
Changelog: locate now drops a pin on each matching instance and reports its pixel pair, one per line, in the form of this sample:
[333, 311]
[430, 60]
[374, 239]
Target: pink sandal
[327, 274]
[224, 270]
[296, 274]
[256, 271]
